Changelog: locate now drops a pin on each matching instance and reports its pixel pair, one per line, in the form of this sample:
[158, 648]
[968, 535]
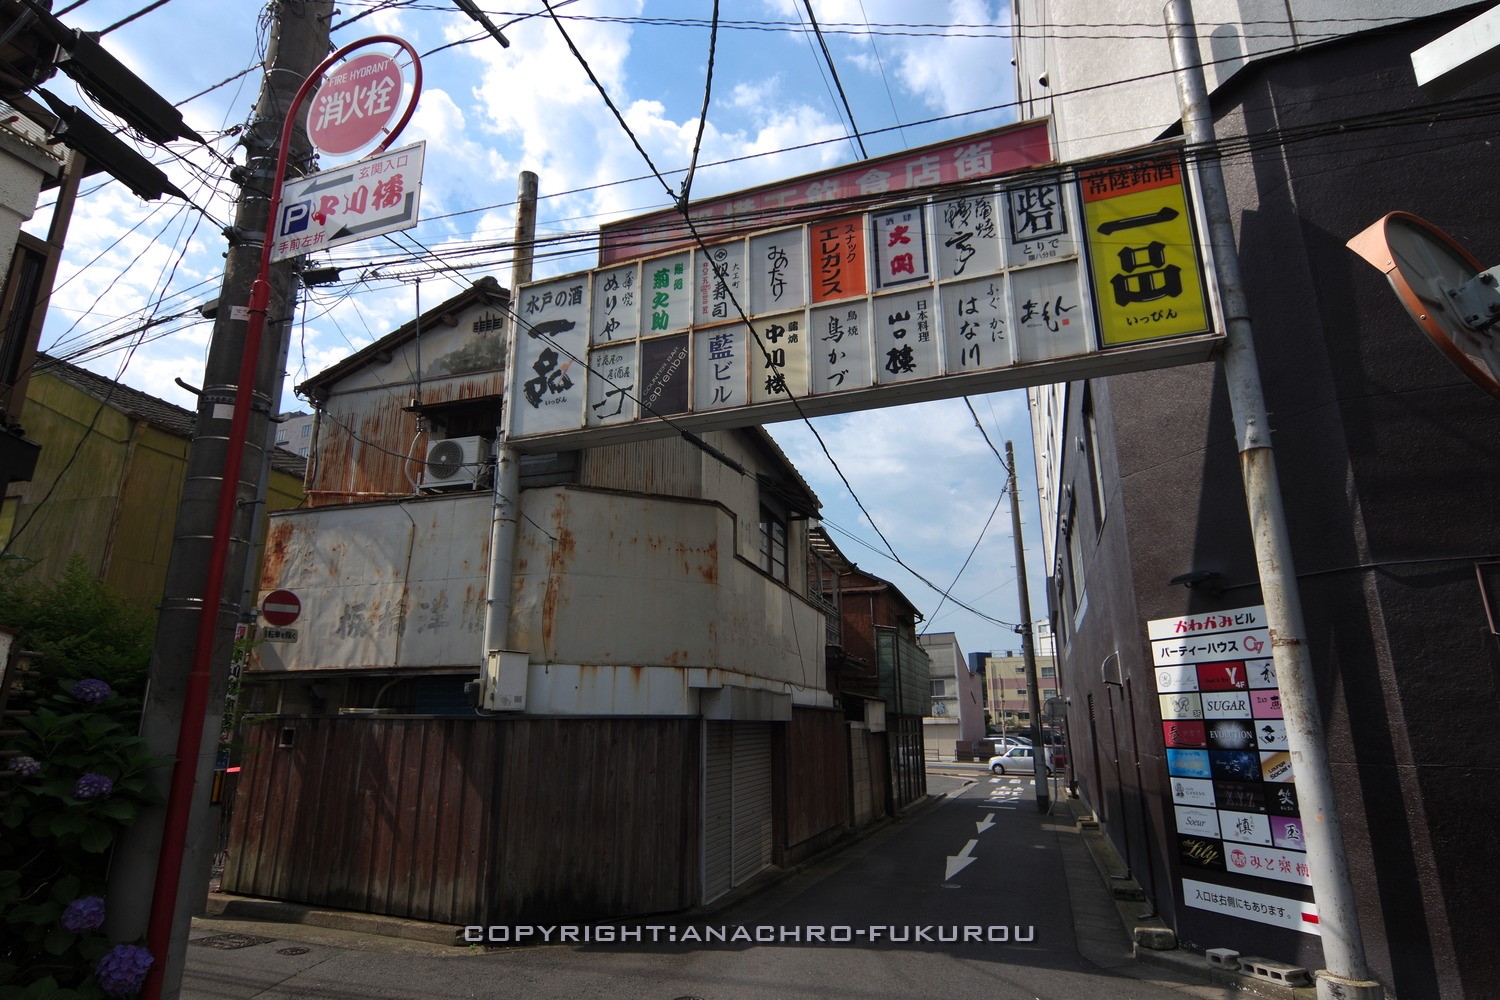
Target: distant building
[957, 714]
[294, 432]
[1007, 693]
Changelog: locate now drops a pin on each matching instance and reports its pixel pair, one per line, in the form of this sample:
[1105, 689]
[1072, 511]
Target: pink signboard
[354, 104]
[972, 158]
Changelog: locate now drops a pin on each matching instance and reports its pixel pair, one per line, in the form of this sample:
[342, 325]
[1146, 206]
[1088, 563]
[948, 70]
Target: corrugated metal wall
[817, 775]
[414, 817]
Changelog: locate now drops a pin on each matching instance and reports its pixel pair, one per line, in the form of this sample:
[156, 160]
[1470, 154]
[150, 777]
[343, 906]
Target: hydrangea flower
[26, 767]
[93, 786]
[92, 691]
[84, 914]
[123, 970]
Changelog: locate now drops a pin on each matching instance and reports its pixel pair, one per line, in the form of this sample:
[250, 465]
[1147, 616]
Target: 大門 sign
[1014, 281]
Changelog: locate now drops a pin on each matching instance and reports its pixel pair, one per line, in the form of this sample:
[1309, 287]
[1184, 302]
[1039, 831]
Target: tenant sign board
[966, 288]
[1240, 849]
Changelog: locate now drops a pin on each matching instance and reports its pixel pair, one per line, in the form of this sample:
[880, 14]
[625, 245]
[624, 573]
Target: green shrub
[80, 627]
[80, 780]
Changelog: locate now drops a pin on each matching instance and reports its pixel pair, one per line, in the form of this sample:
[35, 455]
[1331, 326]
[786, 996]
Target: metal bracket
[1478, 300]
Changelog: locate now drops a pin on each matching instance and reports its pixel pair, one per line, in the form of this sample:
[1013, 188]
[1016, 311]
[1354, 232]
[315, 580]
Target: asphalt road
[978, 895]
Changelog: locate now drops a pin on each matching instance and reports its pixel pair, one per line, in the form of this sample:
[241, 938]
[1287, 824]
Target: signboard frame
[665, 283]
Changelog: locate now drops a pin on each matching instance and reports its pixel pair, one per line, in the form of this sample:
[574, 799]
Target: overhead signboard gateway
[1023, 280]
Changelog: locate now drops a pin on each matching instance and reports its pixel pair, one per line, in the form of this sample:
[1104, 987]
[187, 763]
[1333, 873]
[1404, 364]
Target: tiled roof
[145, 407]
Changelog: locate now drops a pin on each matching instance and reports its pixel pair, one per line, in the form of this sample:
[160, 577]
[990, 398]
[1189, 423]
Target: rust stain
[710, 570]
[274, 558]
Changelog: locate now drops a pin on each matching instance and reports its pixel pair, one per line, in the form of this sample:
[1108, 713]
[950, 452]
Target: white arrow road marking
[958, 862]
[986, 823]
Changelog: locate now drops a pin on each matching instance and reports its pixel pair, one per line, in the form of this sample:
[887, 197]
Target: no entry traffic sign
[280, 607]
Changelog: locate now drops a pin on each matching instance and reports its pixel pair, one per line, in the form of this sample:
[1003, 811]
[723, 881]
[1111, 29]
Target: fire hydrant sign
[354, 104]
[1240, 844]
[349, 203]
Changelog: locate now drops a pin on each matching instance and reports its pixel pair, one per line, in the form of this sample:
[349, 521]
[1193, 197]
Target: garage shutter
[737, 831]
[718, 810]
[752, 799]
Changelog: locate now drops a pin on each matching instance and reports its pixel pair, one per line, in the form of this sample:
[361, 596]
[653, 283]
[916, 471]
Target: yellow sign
[1146, 272]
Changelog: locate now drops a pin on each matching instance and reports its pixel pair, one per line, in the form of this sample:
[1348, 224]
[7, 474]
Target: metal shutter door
[718, 810]
[752, 799]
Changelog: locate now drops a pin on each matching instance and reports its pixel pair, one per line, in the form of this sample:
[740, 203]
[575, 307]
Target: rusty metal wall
[578, 819]
[817, 774]
[382, 585]
[598, 818]
[378, 815]
[666, 466]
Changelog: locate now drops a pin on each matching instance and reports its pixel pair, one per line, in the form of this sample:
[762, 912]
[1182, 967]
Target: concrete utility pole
[1347, 976]
[1028, 644]
[298, 42]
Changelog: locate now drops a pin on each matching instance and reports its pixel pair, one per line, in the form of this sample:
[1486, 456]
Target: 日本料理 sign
[958, 289]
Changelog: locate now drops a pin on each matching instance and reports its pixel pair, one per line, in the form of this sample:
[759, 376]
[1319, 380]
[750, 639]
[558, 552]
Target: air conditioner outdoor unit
[456, 463]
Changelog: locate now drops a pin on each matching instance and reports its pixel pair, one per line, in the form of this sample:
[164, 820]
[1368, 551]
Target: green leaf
[117, 809]
[69, 823]
[59, 939]
[97, 838]
[65, 889]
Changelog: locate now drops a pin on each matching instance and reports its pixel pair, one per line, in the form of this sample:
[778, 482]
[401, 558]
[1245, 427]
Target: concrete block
[1223, 958]
[1155, 938]
[1273, 971]
[1331, 987]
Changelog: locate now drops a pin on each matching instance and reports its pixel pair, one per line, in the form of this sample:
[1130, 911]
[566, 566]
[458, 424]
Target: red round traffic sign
[354, 104]
[280, 607]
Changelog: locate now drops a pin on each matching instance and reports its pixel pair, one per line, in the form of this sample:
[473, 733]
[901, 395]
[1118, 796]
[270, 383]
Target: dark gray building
[1389, 461]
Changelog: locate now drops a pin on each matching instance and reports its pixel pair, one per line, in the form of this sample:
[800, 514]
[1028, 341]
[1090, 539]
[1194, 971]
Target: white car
[1019, 760]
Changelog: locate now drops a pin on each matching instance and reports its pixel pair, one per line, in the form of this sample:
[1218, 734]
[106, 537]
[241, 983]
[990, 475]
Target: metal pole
[505, 522]
[1028, 648]
[189, 666]
[1338, 918]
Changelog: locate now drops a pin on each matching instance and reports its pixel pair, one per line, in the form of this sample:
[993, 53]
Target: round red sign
[280, 607]
[354, 103]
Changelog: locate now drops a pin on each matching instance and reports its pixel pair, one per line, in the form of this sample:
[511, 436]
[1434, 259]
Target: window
[307, 430]
[1049, 671]
[773, 543]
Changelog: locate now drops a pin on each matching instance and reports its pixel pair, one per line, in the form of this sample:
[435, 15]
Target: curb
[1152, 941]
[229, 907]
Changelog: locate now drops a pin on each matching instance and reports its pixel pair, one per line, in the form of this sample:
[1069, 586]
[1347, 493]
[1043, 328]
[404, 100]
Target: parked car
[1003, 743]
[1020, 760]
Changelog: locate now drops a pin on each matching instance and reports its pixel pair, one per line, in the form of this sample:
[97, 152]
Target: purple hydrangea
[92, 691]
[26, 767]
[93, 786]
[84, 914]
[123, 970]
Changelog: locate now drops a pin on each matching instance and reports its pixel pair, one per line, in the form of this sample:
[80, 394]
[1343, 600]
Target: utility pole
[155, 857]
[1347, 974]
[1028, 645]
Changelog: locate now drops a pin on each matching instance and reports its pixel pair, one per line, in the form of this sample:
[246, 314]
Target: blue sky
[923, 472]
